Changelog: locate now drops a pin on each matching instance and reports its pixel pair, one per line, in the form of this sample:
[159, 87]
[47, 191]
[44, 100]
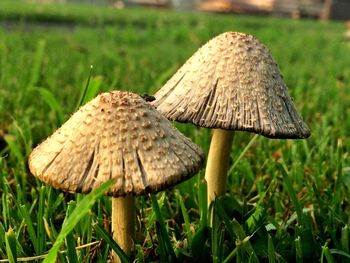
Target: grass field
[287, 200]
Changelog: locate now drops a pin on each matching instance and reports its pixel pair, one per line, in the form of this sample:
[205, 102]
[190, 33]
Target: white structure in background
[185, 4]
[347, 33]
[155, 3]
[176, 4]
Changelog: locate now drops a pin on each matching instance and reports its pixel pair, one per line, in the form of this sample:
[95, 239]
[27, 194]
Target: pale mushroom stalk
[217, 163]
[123, 218]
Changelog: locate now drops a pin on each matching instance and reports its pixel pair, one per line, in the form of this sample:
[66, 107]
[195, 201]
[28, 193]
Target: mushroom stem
[217, 163]
[123, 209]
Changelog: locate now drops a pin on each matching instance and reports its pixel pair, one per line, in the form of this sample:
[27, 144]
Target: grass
[286, 200]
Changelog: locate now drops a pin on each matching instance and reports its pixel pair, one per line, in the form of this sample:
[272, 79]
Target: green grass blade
[289, 187]
[298, 250]
[162, 247]
[185, 217]
[53, 103]
[202, 201]
[70, 242]
[246, 148]
[219, 210]
[5, 204]
[271, 253]
[10, 240]
[54, 202]
[163, 77]
[2, 233]
[79, 212]
[14, 147]
[244, 239]
[71, 252]
[84, 91]
[164, 233]
[106, 237]
[40, 226]
[30, 227]
[153, 216]
[36, 66]
[231, 256]
[215, 224]
[200, 244]
[217, 234]
[326, 252]
[344, 239]
[341, 253]
[93, 89]
[139, 254]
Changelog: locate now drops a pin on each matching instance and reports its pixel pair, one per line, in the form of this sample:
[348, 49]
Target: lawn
[287, 200]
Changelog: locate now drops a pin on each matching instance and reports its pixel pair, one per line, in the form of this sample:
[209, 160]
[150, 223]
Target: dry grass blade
[26, 259]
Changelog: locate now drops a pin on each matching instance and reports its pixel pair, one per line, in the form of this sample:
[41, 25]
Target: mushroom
[231, 83]
[120, 136]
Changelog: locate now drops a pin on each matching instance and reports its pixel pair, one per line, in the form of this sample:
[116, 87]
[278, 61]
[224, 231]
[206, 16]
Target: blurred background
[320, 9]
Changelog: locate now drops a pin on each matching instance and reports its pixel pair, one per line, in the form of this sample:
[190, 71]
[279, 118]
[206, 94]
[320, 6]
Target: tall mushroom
[230, 83]
[120, 136]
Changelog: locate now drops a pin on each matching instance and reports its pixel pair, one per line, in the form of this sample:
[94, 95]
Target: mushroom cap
[120, 136]
[232, 83]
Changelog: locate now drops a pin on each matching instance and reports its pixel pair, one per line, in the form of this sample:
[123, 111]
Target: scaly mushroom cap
[233, 83]
[117, 136]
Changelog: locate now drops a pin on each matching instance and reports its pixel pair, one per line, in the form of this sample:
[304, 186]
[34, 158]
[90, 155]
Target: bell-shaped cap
[232, 83]
[117, 136]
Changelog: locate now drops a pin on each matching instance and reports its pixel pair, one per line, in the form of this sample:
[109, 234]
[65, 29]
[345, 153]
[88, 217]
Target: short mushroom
[120, 136]
[231, 83]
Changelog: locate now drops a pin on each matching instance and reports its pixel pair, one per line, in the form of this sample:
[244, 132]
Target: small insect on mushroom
[148, 98]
